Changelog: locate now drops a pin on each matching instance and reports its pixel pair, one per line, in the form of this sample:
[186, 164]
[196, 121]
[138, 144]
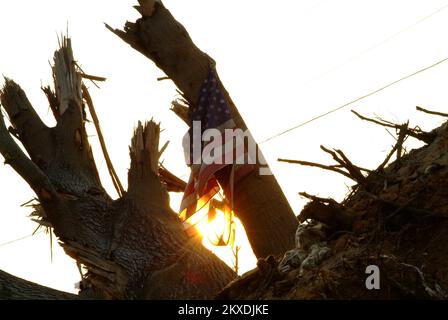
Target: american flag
[213, 112]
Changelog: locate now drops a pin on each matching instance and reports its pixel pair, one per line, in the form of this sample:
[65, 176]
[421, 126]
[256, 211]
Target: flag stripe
[212, 112]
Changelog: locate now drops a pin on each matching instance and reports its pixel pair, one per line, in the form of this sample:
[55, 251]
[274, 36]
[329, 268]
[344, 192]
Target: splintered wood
[67, 81]
[146, 142]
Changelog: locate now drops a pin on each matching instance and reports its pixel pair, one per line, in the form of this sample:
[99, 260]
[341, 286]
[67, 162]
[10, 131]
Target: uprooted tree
[133, 247]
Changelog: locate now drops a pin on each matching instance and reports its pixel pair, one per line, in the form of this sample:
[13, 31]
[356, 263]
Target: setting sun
[224, 235]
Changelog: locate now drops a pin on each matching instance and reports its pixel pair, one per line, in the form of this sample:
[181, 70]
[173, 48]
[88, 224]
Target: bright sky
[283, 62]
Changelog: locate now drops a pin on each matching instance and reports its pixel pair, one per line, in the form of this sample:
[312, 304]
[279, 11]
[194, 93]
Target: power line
[379, 44]
[19, 239]
[354, 101]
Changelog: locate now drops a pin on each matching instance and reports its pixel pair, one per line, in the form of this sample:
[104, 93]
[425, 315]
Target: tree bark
[13, 288]
[134, 247]
[260, 203]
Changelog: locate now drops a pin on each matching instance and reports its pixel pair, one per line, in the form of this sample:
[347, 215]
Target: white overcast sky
[282, 61]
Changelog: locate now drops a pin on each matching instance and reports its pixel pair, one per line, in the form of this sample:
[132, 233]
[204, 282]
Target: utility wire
[353, 58]
[354, 101]
[379, 44]
[19, 239]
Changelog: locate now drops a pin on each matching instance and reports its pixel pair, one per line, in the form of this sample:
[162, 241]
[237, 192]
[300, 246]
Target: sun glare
[226, 239]
[213, 228]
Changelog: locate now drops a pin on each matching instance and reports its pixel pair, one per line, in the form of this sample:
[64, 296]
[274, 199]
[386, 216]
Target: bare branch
[318, 199]
[181, 111]
[16, 158]
[416, 133]
[173, 183]
[317, 165]
[92, 78]
[381, 123]
[353, 171]
[113, 174]
[28, 127]
[398, 145]
[163, 149]
[401, 138]
[432, 112]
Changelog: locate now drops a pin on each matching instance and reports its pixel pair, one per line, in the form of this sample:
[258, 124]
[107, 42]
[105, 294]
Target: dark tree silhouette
[133, 247]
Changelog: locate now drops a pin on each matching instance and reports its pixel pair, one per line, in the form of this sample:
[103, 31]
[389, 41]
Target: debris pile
[395, 219]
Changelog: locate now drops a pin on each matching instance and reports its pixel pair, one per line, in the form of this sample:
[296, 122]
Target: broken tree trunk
[13, 288]
[259, 202]
[134, 247]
